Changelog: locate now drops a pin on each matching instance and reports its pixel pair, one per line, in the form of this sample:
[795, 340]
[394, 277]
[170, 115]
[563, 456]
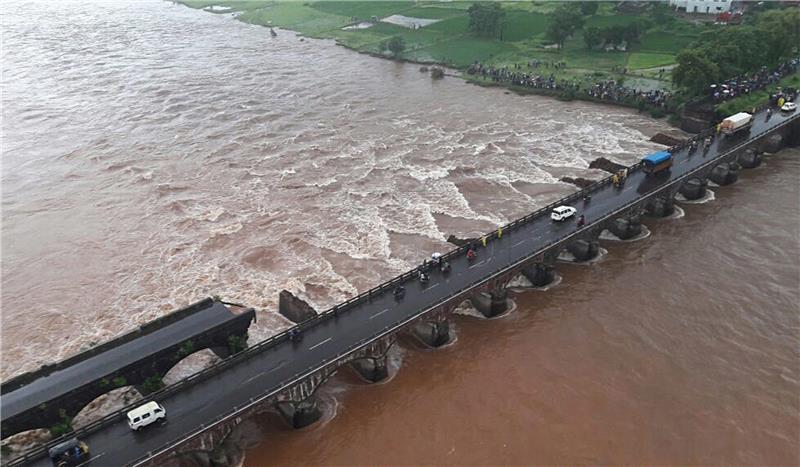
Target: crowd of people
[530, 75]
[608, 90]
[745, 84]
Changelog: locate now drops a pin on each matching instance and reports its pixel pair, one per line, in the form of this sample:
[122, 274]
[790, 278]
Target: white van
[145, 415]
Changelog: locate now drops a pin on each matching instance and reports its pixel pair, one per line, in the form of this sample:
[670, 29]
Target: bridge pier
[433, 333]
[694, 188]
[725, 173]
[661, 206]
[491, 304]
[625, 228]
[300, 414]
[372, 369]
[584, 250]
[540, 274]
[750, 159]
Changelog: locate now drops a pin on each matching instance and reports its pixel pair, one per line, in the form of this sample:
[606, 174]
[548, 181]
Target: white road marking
[429, 288]
[317, 345]
[92, 459]
[518, 243]
[379, 313]
[265, 372]
[476, 264]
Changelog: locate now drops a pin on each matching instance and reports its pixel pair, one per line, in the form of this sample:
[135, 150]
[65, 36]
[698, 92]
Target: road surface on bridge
[263, 374]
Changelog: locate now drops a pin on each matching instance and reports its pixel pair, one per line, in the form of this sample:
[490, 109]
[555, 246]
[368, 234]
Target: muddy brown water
[154, 155]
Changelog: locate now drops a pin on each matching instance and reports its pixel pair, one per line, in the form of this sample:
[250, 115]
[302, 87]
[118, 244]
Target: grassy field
[450, 42]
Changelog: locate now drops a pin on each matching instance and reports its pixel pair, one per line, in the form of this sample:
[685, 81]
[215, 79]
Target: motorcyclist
[769, 113]
[423, 278]
[581, 220]
[471, 254]
[587, 198]
[399, 292]
[445, 267]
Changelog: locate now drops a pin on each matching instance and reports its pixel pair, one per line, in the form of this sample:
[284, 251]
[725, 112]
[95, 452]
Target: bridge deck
[266, 372]
[64, 380]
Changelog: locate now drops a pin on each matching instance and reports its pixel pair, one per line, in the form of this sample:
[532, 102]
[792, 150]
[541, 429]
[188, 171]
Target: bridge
[43, 397]
[285, 373]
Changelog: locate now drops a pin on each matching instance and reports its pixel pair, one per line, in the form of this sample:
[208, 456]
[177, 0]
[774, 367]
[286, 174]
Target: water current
[154, 155]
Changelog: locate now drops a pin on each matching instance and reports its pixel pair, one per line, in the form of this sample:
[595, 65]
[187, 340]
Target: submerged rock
[580, 182]
[108, 403]
[25, 441]
[190, 365]
[604, 164]
[667, 140]
[452, 239]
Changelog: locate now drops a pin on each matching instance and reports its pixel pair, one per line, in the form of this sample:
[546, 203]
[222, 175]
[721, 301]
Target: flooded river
[154, 155]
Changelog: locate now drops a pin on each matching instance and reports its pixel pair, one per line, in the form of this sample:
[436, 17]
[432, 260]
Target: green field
[450, 42]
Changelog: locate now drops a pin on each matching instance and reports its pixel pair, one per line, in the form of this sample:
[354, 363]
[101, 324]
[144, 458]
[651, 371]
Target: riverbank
[438, 33]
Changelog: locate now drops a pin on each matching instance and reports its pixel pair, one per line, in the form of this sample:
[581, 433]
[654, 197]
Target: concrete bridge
[284, 373]
[42, 398]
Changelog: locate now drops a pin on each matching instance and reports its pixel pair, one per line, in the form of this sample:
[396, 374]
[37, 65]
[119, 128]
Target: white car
[562, 213]
[789, 107]
[145, 415]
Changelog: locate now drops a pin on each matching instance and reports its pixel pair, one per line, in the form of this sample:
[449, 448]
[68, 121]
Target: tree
[589, 8]
[695, 71]
[591, 37]
[566, 20]
[485, 19]
[780, 29]
[396, 45]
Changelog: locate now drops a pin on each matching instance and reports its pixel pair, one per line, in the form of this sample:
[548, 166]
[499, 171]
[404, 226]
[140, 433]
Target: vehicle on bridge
[657, 162]
[145, 415]
[562, 213]
[789, 107]
[736, 123]
[70, 453]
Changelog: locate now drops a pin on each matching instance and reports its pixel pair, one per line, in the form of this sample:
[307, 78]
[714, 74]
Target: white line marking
[476, 264]
[429, 288]
[518, 243]
[317, 345]
[379, 313]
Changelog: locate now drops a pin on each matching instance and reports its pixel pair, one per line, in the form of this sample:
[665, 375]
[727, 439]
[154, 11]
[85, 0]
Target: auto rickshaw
[70, 453]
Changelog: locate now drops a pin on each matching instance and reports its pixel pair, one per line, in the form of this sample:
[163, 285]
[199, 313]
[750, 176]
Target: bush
[657, 113]
[437, 73]
[566, 95]
[186, 349]
[152, 384]
[236, 344]
[119, 381]
[62, 427]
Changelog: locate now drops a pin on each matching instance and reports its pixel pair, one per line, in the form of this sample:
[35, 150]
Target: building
[711, 7]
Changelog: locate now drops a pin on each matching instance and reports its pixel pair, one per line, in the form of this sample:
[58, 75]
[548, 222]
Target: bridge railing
[336, 310]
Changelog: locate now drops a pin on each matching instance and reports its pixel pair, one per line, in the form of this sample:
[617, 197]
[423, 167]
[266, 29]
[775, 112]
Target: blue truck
[657, 162]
